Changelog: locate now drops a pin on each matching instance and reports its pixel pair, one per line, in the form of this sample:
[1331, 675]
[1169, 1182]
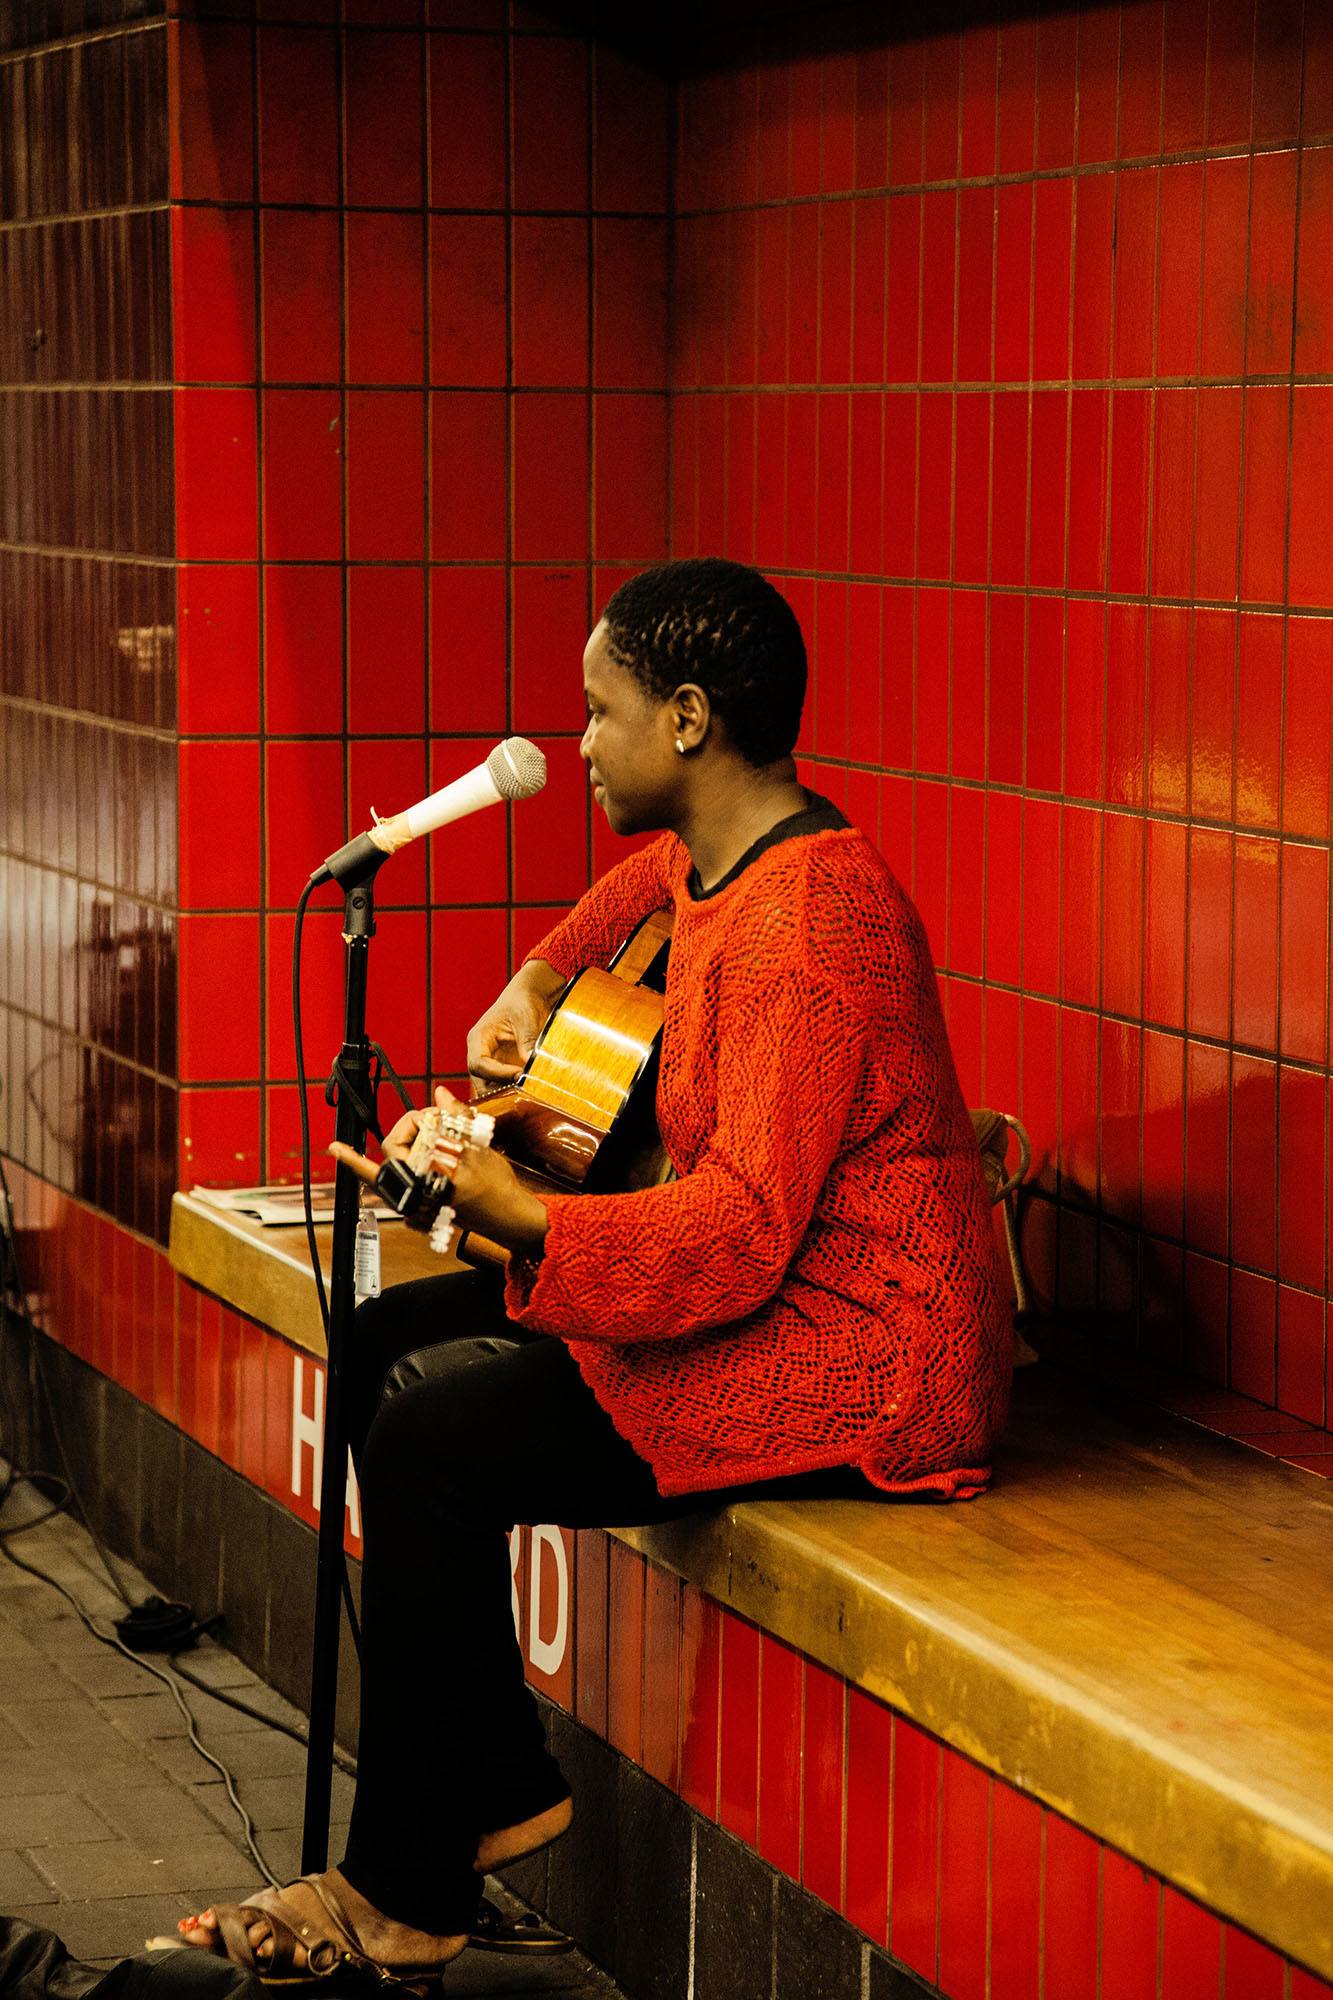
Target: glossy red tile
[550, 300]
[385, 289]
[1015, 1894]
[1268, 419]
[906, 113]
[1070, 1907]
[303, 650]
[739, 1798]
[549, 84]
[1302, 1222]
[939, 227]
[630, 456]
[971, 487]
[700, 1692]
[631, 127]
[1163, 1133]
[976, 280]
[823, 1758]
[1131, 440]
[1052, 279]
[869, 1791]
[964, 948]
[1249, 1968]
[301, 256]
[219, 1147]
[661, 1674]
[468, 90]
[218, 789]
[591, 1597]
[1302, 1354]
[550, 478]
[215, 475]
[903, 288]
[468, 476]
[1122, 913]
[305, 815]
[218, 649]
[914, 1882]
[1313, 319]
[467, 649]
[1311, 572]
[1135, 271]
[303, 461]
[1307, 758]
[383, 83]
[298, 115]
[1207, 1103]
[1081, 864]
[386, 632]
[1254, 921]
[1004, 696]
[1041, 895]
[386, 476]
[1079, 1046]
[1003, 933]
[1130, 1921]
[964, 1869]
[322, 978]
[934, 482]
[1049, 445]
[1094, 242]
[1304, 952]
[550, 625]
[468, 300]
[624, 1716]
[213, 294]
[1089, 451]
[218, 1032]
[550, 831]
[1209, 946]
[1253, 1345]
[212, 137]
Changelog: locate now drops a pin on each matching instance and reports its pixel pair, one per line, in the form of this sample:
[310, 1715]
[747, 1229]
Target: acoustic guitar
[581, 1116]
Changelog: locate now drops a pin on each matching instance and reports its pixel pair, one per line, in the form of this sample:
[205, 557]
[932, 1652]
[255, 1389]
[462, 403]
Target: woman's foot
[511, 1843]
[379, 1937]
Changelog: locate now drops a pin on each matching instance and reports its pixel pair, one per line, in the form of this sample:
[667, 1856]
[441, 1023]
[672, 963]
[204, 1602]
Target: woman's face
[628, 745]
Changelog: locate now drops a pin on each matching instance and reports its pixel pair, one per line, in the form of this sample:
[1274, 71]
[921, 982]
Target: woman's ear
[691, 714]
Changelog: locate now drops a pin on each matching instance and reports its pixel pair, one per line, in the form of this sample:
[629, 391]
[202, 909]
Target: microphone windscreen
[516, 768]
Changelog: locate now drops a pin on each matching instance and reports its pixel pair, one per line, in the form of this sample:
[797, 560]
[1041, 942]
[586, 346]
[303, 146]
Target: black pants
[461, 1425]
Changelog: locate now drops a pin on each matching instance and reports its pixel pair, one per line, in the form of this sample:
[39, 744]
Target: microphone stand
[354, 867]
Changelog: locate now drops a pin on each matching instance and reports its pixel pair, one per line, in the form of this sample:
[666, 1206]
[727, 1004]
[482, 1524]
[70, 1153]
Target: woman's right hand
[500, 1043]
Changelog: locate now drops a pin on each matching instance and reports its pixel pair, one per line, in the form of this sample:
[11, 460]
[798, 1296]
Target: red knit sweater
[820, 1286]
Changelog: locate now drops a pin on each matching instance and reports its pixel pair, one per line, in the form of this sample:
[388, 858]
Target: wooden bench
[1135, 1626]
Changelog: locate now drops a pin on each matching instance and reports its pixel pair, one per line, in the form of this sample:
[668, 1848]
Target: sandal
[527, 1934]
[330, 1943]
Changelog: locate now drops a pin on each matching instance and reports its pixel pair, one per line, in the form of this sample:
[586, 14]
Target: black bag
[34, 1965]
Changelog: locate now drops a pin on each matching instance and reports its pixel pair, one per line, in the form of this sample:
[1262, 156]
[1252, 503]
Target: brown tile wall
[87, 608]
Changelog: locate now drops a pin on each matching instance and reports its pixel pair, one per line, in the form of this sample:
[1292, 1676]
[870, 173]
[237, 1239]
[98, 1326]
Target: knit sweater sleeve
[715, 1244]
[602, 919]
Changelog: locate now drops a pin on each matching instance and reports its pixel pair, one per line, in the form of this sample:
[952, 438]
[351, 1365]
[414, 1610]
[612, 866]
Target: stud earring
[680, 745]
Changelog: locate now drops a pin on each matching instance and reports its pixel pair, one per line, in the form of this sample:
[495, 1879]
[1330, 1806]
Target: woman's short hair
[722, 625]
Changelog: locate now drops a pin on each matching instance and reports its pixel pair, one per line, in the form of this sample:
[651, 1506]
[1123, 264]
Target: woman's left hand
[488, 1195]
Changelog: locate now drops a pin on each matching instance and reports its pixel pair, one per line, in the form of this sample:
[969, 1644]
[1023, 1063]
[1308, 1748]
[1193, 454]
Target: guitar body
[581, 1118]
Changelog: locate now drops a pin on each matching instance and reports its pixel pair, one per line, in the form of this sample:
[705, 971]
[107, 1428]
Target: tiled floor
[112, 1826]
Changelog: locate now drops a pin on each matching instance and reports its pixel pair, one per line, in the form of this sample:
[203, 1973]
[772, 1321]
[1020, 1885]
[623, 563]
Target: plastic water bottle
[367, 1262]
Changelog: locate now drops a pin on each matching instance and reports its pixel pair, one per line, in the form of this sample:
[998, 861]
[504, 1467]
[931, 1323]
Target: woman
[813, 1301]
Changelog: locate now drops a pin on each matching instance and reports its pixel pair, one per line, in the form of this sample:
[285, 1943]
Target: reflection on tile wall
[1008, 352]
[87, 613]
[419, 288]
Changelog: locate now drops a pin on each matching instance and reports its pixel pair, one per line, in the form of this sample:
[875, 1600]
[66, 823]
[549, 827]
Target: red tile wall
[419, 283]
[1006, 351]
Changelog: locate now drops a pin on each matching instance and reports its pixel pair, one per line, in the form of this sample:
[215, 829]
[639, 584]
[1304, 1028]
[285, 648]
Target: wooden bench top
[1135, 1625]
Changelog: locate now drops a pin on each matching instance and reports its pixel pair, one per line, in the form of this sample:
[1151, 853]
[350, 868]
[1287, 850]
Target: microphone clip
[354, 864]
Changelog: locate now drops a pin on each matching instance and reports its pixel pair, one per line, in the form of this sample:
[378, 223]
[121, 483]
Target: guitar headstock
[420, 1194]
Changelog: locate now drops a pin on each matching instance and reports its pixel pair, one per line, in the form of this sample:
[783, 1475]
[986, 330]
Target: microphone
[515, 769]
